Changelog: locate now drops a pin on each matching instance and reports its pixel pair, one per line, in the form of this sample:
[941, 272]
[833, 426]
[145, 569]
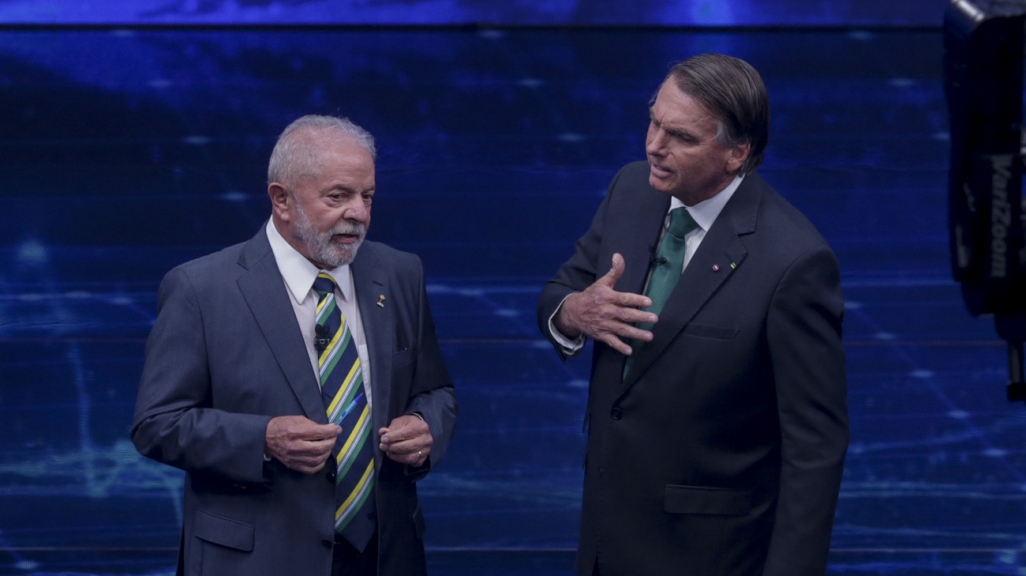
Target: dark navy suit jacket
[721, 452]
[226, 355]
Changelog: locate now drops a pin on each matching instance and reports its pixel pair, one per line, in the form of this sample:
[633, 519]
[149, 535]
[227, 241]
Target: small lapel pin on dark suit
[381, 300]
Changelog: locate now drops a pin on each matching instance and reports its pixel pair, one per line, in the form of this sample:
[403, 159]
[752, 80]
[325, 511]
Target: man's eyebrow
[674, 130]
[684, 134]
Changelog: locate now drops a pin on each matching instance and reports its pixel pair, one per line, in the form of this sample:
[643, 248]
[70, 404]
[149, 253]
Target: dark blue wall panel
[522, 12]
[124, 153]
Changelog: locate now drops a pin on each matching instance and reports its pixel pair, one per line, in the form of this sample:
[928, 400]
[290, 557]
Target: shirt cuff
[570, 347]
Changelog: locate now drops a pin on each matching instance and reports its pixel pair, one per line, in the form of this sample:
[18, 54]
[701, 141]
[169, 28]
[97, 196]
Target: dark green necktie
[669, 261]
[666, 268]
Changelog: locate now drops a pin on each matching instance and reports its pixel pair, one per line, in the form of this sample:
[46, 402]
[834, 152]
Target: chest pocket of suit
[678, 499]
[402, 359]
[712, 332]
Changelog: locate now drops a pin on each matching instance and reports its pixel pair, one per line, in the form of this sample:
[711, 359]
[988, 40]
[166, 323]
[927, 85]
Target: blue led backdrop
[124, 152]
[513, 12]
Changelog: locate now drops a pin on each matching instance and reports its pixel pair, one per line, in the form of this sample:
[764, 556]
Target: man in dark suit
[716, 410]
[253, 347]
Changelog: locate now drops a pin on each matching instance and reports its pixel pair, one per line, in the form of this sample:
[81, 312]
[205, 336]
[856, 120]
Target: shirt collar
[298, 272]
[706, 211]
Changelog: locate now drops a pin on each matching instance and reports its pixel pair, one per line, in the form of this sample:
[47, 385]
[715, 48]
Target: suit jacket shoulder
[777, 216]
[385, 255]
[210, 270]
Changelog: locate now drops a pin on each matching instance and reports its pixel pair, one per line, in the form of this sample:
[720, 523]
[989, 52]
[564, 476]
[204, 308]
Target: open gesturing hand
[604, 314]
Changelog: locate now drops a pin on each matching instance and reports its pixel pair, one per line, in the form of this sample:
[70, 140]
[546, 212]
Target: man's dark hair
[733, 92]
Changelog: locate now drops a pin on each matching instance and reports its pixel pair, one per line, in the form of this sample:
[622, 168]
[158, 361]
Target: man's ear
[280, 201]
[737, 157]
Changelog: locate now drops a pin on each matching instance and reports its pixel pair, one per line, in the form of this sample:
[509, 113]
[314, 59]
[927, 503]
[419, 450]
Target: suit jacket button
[616, 414]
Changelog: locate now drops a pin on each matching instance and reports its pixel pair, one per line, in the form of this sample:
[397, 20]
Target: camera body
[984, 43]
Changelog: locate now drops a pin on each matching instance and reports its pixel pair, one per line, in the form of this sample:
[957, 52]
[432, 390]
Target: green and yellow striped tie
[343, 394]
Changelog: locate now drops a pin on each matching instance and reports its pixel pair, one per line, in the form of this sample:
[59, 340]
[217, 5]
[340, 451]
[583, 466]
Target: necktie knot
[681, 222]
[324, 284]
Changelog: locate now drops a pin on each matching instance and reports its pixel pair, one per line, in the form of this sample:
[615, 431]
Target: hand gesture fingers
[407, 440]
[300, 443]
[606, 315]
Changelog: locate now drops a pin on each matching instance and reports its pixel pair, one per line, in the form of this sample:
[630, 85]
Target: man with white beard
[298, 381]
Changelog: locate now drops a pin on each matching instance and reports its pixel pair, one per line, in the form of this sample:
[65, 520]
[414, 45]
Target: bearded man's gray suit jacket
[721, 451]
[226, 355]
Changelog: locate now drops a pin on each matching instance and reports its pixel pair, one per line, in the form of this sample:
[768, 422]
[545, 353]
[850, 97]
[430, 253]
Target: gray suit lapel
[378, 316]
[264, 290]
[721, 251]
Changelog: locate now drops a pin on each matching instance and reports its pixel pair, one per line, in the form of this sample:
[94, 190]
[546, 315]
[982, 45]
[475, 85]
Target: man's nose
[656, 141]
[357, 211]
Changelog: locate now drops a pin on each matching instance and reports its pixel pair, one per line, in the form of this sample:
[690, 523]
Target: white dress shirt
[704, 213]
[299, 275]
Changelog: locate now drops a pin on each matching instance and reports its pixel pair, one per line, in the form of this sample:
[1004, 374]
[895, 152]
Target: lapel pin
[716, 267]
[733, 266]
[381, 300]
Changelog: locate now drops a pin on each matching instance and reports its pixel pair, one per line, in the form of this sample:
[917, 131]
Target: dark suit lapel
[264, 290]
[636, 241]
[378, 316]
[721, 252]
[643, 233]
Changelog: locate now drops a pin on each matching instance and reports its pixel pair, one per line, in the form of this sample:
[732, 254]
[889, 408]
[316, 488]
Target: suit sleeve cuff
[569, 346]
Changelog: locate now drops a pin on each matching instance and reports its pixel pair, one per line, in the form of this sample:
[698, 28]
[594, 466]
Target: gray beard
[320, 245]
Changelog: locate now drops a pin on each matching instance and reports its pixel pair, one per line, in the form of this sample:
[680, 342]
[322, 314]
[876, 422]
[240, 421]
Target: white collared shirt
[299, 275]
[705, 214]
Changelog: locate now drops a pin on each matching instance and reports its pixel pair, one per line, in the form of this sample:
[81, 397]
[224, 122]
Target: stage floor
[126, 152]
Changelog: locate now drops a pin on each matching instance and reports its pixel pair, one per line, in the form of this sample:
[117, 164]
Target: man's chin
[348, 253]
[660, 184]
[337, 256]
